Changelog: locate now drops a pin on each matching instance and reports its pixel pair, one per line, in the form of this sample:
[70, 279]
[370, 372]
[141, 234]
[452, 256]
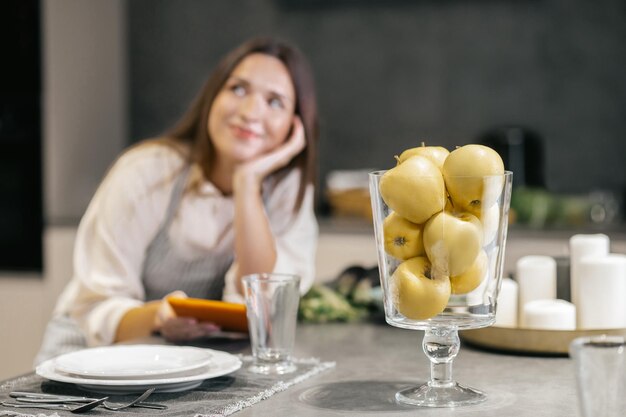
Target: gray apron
[163, 272]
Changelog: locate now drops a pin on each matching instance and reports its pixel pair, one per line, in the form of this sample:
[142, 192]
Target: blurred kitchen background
[542, 81]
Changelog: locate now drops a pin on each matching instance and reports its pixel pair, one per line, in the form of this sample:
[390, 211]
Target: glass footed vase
[441, 272]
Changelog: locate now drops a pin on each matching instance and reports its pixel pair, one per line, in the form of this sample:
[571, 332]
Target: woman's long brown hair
[191, 129]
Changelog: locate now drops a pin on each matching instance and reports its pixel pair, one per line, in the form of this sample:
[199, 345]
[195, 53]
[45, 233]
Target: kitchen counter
[376, 360]
[356, 225]
[350, 241]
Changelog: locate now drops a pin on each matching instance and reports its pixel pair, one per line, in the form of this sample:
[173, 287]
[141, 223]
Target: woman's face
[253, 112]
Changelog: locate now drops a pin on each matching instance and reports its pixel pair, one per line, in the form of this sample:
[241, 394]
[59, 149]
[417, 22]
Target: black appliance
[522, 152]
[21, 217]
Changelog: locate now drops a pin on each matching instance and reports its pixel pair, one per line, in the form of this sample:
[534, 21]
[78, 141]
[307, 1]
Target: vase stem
[440, 375]
[441, 345]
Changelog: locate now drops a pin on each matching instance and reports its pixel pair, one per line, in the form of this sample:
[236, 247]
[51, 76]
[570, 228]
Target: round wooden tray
[550, 342]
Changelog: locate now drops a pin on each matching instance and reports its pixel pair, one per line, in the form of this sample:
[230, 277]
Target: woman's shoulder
[151, 155]
[149, 163]
[153, 151]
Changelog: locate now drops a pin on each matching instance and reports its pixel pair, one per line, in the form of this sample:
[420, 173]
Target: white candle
[506, 313]
[550, 315]
[602, 292]
[536, 277]
[579, 247]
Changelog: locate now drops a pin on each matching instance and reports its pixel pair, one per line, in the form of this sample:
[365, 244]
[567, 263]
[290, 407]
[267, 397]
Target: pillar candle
[579, 247]
[602, 292]
[550, 315]
[536, 277]
[506, 313]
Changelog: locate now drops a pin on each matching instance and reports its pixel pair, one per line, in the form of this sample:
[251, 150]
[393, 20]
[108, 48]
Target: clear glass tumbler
[272, 309]
[600, 364]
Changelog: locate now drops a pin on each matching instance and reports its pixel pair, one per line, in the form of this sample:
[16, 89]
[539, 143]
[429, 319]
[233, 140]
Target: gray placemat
[217, 397]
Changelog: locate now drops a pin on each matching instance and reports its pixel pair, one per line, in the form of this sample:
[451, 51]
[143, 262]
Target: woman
[227, 192]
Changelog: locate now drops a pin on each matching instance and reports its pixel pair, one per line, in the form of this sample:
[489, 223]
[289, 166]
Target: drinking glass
[272, 309]
[600, 363]
[463, 310]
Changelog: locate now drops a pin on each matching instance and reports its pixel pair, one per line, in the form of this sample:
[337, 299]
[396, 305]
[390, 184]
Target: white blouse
[129, 208]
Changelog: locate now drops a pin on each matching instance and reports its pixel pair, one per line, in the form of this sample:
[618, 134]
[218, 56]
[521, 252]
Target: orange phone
[229, 316]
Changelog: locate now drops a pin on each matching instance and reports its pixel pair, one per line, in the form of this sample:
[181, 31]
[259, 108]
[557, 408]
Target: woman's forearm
[255, 246]
[138, 322]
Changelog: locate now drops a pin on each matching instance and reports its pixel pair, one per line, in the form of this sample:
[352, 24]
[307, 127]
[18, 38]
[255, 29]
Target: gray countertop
[373, 361]
[376, 360]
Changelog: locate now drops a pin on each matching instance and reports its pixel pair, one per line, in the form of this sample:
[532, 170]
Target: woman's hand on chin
[253, 172]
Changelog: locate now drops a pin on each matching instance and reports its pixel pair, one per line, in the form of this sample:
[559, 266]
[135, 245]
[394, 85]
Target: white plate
[132, 361]
[122, 390]
[222, 363]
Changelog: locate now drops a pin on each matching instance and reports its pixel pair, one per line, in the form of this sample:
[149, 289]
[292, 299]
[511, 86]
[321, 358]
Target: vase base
[453, 395]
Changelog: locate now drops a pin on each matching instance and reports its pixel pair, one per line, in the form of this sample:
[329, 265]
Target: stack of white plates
[125, 369]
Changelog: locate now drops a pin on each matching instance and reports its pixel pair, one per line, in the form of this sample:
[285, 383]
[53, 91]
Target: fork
[139, 399]
[35, 397]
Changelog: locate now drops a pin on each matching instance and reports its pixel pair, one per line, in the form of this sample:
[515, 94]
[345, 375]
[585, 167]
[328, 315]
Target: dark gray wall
[391, 73]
